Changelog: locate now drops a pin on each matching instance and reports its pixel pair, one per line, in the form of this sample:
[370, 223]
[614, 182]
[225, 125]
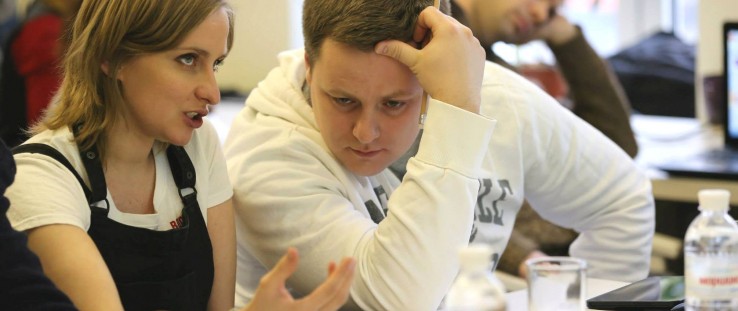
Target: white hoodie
[465, 183]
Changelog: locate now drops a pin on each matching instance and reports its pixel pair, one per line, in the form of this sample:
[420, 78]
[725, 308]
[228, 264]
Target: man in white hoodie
[308, 158]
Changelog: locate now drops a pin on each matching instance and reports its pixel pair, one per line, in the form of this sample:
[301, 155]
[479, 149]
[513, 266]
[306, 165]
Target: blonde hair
[111, 32]
[360, 23]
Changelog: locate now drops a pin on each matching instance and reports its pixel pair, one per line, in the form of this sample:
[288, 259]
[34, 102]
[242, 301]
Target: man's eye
[187, 59]
[343, 101]
[394, 104]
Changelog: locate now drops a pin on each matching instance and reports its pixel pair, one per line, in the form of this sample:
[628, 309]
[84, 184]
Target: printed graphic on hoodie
[489, 203]
[377, 213]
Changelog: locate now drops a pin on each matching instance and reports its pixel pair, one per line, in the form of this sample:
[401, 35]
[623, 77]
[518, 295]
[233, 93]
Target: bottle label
[711, 276]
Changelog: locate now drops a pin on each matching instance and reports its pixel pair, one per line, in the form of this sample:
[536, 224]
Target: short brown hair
[360, 23]
[114, 31]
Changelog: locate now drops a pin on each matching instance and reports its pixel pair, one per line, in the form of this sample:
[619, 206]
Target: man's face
[511, 21]
[366, 106]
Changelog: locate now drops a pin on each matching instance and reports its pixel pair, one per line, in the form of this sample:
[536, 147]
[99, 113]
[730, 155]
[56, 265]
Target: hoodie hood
[280, 93]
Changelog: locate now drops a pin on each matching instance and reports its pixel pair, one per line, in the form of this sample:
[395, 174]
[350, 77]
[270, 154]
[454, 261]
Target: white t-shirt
[45, 192]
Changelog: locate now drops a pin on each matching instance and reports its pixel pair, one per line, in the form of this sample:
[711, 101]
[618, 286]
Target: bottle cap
[714, 199]
[475, 256]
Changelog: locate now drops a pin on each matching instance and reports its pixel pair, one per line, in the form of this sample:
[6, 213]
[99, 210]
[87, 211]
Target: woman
[123, 190]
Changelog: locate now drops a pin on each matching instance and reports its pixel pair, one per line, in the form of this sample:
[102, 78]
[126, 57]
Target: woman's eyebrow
[199, 51]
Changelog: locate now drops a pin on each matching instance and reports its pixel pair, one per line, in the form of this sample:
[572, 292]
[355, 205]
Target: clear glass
[557, 284]
[475, 290]
[711, 262]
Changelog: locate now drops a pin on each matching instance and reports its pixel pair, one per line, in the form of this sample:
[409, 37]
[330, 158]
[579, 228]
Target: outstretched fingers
[278, 276]
[334, 291]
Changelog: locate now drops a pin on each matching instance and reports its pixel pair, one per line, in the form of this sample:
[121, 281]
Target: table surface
[660, 138]
[518, 300]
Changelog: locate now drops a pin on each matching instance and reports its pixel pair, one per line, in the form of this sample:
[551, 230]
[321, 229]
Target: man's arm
[598, 99]
[596, 93]
[519, 247]
[578, 179]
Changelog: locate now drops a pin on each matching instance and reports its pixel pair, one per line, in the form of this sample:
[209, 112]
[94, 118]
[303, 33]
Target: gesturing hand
[450, 66]
[331, 295]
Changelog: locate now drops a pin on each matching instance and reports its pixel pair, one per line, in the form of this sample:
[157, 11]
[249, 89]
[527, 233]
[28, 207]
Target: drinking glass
[556, 283]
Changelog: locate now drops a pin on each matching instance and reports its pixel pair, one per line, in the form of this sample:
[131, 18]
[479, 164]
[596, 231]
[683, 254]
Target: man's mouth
[367, 153]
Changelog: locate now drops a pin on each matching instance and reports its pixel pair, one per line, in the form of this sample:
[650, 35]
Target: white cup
[557, 283]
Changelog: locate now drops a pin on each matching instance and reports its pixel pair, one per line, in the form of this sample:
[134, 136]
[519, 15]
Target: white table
[518, 300]
[660, 138]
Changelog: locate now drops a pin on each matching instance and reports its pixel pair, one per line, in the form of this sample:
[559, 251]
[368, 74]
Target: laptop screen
[730, 49]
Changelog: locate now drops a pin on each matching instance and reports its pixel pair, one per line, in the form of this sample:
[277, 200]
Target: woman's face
[167, 93]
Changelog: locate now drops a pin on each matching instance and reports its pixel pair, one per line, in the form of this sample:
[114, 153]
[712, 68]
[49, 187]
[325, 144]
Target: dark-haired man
[308, 157]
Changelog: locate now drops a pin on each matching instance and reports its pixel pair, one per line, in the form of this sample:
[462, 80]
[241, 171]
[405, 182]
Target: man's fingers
[427, 19]
[333, 293]
[331, 268]
[341, 293]
[282, 271]
[398, 50]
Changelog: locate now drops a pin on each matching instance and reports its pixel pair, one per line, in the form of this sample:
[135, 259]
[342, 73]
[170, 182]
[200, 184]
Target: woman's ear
[105, 67]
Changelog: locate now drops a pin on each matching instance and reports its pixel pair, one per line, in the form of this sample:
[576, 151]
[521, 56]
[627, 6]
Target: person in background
[308, 157]
[8, 20]
[594, 91]
[31, 72]
[595, 95]
[122, 189]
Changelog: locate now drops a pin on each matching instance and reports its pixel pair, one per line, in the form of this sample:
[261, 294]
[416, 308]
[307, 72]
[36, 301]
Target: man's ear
[308, 70]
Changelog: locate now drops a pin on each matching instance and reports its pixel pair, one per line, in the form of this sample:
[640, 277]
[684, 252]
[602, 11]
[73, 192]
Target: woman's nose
[207, 90]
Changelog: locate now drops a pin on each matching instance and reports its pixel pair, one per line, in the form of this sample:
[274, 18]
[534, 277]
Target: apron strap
[93, 166]
[91, 161]
[183, 172]
[181, 166]
[56, 155]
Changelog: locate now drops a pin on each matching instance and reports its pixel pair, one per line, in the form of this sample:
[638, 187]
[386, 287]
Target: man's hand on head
[450, 67]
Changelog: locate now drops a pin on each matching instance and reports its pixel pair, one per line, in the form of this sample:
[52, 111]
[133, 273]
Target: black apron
[153, 270]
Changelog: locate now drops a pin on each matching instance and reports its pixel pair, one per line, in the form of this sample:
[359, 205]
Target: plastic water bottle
[711, 255]
[475, 288]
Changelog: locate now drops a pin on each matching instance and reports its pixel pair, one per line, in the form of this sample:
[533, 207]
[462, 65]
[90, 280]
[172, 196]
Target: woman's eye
[187, 59]
[217, 64]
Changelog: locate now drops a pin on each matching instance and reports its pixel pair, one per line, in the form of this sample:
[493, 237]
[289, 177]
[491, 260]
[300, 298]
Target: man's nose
[541, 10]
[366, 128]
